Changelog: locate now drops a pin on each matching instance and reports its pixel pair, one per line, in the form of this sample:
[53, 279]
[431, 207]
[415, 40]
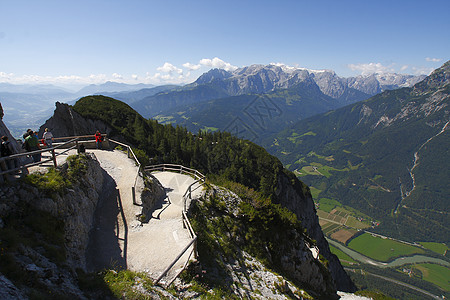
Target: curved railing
[200, 178]
[130, 153]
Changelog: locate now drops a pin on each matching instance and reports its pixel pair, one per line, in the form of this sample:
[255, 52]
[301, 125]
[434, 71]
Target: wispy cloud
[431, 59]
[370, 68]
[404, 68]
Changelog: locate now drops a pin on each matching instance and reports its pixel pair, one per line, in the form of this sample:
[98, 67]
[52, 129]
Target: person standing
[48, 138]
[98, 139]
[7, 150]
[32, 143]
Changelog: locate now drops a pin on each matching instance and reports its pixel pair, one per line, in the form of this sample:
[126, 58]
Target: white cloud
[217, 63]
[169, 68]
[190, 66]
[371, 68]
[403, 68]
[5, 76]
[165, 74]
[433, 59]
[422, 70]
[117, 76]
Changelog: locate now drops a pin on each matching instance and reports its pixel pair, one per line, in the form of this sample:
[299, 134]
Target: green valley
[386, 157]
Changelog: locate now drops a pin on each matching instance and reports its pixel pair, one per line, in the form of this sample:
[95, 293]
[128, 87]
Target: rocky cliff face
[295, 199]
[67, 122]
[219, 215]
[39, 253]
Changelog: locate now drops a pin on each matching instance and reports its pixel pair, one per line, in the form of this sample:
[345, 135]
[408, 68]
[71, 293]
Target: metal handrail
[52, 150]
[130, 151]
[174, 167]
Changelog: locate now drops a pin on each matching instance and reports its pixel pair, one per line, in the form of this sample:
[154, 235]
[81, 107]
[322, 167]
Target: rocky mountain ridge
[260, 79]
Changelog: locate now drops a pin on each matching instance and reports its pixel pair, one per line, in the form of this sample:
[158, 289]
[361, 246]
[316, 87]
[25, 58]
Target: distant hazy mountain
[387, 156]
[262, 79]
[32, 89]
[112, 87]
[133, 96]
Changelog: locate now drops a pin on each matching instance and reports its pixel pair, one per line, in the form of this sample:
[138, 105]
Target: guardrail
[186, 224]
[173, 167]
[182, 170]
[23, 167]
[130, 153]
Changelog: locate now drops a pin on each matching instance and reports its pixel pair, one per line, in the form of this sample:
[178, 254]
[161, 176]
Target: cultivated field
[343, 235]
[382, 249]
[439, 248]
[437, 274]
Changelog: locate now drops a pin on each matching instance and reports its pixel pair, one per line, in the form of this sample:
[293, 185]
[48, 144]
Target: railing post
[133, 194]
[78, 149]
[195, 250]
[54, 158]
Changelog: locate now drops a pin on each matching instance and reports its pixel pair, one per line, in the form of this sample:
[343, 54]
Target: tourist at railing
[48, 138]
[32, 144]
[98, 139]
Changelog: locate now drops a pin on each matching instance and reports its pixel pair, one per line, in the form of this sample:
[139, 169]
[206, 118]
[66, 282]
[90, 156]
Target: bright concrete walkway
[160, 241]
[119, 239]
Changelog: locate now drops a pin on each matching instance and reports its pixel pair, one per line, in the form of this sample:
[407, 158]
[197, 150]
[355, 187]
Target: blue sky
[82, 42]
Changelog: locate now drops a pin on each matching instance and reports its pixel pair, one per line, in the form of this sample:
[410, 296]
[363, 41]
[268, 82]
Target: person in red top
[98, 139]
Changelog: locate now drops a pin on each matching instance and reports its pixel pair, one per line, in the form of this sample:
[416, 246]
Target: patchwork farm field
[382, 249]
[343, 235]
[338, 222]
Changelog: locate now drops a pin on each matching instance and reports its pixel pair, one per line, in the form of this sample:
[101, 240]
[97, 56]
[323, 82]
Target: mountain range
[259, 100]
[151, 100]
